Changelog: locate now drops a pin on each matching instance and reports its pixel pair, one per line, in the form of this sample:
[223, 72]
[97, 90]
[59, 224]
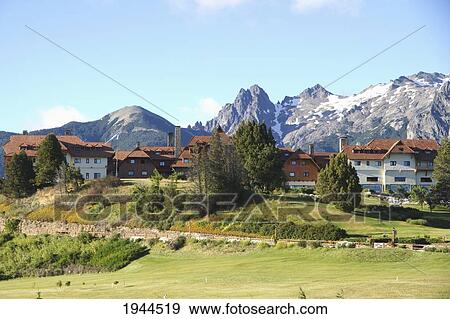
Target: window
[372, 179]
[368, 163]
[87, 160]
[132, 161]
[426, 180]
[407, 163]
[162, 164]
[400, 179]
[142, 161]
[97, 175]
[303, 163]
[293, 162]
[144, 173]
[393, 163]
[87, 176]
[430, 164]
[305, 174]
[291, 174]
[97, 160]
[186, 160]
[158, 153]
[378, 163]
[77, 160]
[357, 163]
[130, 173]
[286, 154]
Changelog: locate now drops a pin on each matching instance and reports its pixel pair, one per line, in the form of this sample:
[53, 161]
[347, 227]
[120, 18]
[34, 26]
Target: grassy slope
[268, 273]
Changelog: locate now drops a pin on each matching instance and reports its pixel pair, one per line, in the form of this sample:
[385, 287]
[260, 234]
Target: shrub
[11, 225]
[5, 237]
[281, 245]
[422, 222]
[67, 283]
[314, 244]
[429, 248]
[262, 245]
[177, 243]
[302, 243]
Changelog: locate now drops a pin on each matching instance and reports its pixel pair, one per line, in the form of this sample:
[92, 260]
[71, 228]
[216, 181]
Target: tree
[419, 194]
[71, 178]
[217, 168]
[259, 155]
[19, 180]
[339, 182]
[441, 173]
[49, 160]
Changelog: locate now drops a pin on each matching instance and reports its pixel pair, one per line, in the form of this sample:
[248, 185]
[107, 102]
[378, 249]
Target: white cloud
[218, 4]
[209, 106]
[57, 116]
[206, 5]
[342, 6]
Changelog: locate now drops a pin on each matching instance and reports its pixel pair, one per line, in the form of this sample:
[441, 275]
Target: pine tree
[259, 155]
[441, 173]
[49, 160]
[71, 178]
[339, 182]
[19, 180]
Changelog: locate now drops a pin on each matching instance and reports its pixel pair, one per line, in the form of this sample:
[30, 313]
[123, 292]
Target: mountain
[124, 128]
[415, 106]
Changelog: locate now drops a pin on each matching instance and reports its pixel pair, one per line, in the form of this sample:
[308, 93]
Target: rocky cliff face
[415, 106]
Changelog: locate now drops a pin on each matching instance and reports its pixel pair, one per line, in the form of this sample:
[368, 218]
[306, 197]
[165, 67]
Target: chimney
[68, 132]
[343, 142]
[24, 132]
[177, 142]
[170, 141]
[311, 149]
[138, 144]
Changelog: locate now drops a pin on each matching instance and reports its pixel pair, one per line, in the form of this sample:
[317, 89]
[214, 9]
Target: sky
[190, 57]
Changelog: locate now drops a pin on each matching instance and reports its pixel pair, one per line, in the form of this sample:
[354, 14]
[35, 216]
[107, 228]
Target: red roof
[69, 144]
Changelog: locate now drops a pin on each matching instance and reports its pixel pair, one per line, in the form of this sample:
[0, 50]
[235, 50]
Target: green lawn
[266, 273]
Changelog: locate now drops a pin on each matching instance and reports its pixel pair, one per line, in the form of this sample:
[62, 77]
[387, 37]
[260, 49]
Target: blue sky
[192, 56]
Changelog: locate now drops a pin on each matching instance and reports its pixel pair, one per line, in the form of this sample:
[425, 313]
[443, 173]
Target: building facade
[387, 165]
[93, 159]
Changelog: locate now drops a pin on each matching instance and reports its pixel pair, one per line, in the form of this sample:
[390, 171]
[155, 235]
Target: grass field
[256, 273]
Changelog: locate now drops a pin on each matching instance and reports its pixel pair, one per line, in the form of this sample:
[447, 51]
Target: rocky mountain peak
[317, 91]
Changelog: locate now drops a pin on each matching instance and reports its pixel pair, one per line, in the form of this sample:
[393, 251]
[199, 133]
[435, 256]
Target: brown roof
[380, 148]
[69, 143]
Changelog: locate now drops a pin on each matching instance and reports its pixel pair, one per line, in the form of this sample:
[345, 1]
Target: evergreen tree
[71, 178]
[49, 161]
[19, 180]
[441, 173]
[259, 155]
[339, 182]
[217, 168]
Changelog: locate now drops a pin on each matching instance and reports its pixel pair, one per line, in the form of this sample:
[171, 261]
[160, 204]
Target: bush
[422, 222]
[46, 255]
[11, 225]
[177, 243]
[262, 245]
[314, 244]
[281, 245]
[326, 231]
[98, 186]
[302, 243]
[429, 248]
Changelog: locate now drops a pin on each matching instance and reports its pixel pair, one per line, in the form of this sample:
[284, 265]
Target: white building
[92, 158]
[388, 164]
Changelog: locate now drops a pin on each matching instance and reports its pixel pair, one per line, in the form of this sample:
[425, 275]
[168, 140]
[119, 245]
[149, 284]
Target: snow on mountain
[395, 109]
